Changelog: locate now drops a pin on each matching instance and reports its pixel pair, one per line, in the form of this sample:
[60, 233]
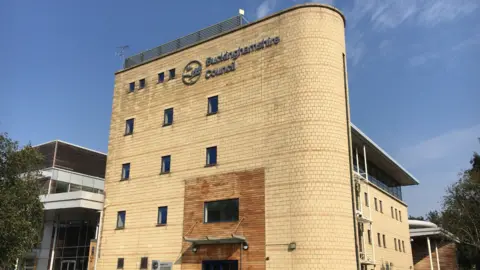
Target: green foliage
[416, 218]
[21, 212]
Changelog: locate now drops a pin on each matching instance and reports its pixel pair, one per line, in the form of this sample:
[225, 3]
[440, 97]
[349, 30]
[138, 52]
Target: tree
[21, 212]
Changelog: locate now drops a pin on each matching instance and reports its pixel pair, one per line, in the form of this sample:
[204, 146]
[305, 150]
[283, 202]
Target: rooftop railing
[188, 40]
[394, 191]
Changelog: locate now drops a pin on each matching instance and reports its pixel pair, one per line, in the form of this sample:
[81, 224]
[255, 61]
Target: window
[121, 215]
[212, 105]
[132, 87]
[403, 245]
[125, 171]
[384, 242]
[129, 124]
[400, 215]
[211, 156]
[221, 211]
[376, 206]
[369, 234]
[391, 208]
[399, 245]
[161, 77]
[396, 214]
[141, 84]
[171, 74]
[162, 215]
[366, 200]
[395, 242]
[144, 263]
[379, 240]
[165, 164]
[120, 263]
[381, 207]
[168, 117]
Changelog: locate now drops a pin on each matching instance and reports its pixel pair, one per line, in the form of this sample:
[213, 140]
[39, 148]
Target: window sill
[119, 229]
[214, 222]
[127, 134]
[124, 179]
[159, 82]
[160, 225]
[163, 173]
[211, 165]
[166, 125]
[212, 113]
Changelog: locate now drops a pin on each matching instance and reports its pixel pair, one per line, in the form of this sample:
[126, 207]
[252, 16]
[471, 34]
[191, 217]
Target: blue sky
[413, 72]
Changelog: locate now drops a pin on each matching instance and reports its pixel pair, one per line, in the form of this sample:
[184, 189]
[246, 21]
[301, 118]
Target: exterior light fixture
[245, 246]
[194, 249]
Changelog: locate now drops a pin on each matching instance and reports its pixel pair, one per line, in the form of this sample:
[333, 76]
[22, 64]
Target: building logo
[192, 72]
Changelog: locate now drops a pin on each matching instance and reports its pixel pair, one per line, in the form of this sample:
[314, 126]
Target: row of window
[212, 108]
[161, 79]
[211, 160]
[214, 211]
[379, 207]
[382, 239]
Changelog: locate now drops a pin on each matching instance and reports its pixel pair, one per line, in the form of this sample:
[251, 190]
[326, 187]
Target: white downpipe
[438, 256]
[98, 239]
[369, 202]
[55, 228]
[356, 160]
[430, 253]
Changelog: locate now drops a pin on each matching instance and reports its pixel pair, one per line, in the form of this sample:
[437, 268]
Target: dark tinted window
[132, 87]
[120, 263]
[129, 124]
[162, 215]
[161, 77]
[121, 215]
[211, 156]
[166, 164]
[144, 263]
[221, 211]
[212, 105]
[125, 171]
[142, 84]
[168, 117]
[171, 73]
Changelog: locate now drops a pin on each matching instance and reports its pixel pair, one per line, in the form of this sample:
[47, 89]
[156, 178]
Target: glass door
[68, 265]
[220, 265]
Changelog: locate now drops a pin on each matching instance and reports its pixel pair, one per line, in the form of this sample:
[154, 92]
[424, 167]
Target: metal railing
[188, 40]
[394, 191]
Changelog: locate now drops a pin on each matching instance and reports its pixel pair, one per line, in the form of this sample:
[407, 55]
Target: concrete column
[44, 252]
[438, 256]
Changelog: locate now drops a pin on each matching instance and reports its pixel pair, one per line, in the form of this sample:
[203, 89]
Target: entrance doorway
[220, 265]
[68, 265]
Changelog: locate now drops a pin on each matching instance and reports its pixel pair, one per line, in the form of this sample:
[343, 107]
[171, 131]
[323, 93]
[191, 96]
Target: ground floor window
[220, 265]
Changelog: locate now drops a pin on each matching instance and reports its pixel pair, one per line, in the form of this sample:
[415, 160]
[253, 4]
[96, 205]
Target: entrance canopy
[210, 240]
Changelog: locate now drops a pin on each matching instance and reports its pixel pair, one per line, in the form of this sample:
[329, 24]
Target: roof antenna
[241, 12]
[121, 52]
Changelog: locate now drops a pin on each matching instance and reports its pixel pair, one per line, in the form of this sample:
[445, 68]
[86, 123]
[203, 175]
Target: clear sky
[413, 66]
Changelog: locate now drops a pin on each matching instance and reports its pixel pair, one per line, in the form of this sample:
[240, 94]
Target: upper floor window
[395, 242]
[376, 205]
[171, 74]
[141, 84]
[212, 105]
[168, 117]
[391, 209]
[384, 242]
[166, 164]
[211, 156]
[131, 87]
[221, 211]
[125, 171]
[403, 246]
[400, 215]
[396, 214]
[120, 263]
[162, 215]
[399, 247]
[366, 199]
[161, 77]
[381, 207]
[144, 263]
[121, 215]
[369, 234]
[379, 239]
[129, 126]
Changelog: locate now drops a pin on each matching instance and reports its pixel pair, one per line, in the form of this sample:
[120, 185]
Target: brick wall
[447, 254]
[249, 188]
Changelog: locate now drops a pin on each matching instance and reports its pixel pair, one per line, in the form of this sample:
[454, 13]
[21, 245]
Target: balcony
[394, 191]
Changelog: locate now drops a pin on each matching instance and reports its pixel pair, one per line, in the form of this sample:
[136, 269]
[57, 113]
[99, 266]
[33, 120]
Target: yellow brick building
[232, 148]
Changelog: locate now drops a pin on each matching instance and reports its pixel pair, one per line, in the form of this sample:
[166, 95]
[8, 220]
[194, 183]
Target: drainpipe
[430, 253]
[369, 201]
[100, 223]
[438, 257]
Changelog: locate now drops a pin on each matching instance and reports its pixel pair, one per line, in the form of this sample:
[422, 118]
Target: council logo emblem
[192, 72]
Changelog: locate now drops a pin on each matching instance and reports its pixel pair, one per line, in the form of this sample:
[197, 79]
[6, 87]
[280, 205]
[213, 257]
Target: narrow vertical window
[171, 74]
[400, 215]
[391, 209]
[211, 156]
[379, 240]
[403, 245]
[212, 105]
[396, 214]
[125, 171]
[141, 84]
[366, 200]
[369, 232]
[395, 242]
[384, 242]
[162, 215]
[376, 205]
[131, 87]
[166, 164]
[399, 242]
[120, 263]
[381, 207]
[129, 124]
[121, 215]
[161, 77]
[168, 117]
[144, 263]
